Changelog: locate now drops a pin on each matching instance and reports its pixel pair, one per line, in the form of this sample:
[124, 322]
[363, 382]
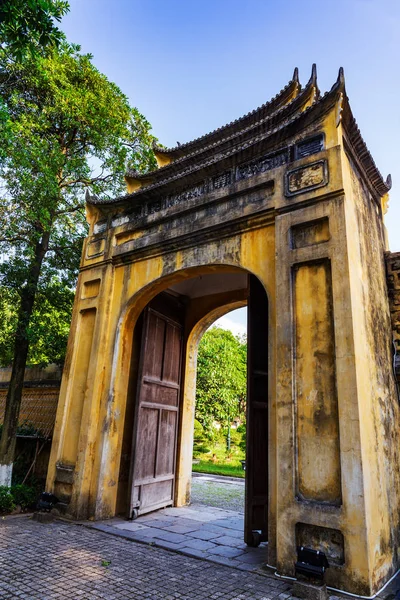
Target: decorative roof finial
[313, 79]
[339, 83]
[296, 75]
[90, 198]
[388, 182]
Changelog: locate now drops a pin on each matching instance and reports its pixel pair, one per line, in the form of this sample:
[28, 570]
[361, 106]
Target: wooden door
[256, 502]
[157, 412]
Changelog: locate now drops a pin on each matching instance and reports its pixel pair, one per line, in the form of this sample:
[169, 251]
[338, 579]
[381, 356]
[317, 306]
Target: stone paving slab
[211, 532]
[64, 561]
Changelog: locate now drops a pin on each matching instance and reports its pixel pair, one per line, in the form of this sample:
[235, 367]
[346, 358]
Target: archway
[290, 194]
[161, 396]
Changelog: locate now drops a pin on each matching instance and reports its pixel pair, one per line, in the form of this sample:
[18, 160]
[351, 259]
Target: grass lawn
[206, 466]
[214, 459]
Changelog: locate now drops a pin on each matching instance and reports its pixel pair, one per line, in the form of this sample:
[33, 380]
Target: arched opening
[156, 457]
[219, 447]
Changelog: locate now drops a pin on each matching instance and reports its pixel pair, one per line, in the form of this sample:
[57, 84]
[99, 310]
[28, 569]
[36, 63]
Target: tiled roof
[266, 128]
[290, 90]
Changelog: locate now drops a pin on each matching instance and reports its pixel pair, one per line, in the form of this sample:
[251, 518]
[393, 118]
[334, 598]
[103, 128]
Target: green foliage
[17, 495]
[25, 428]
[242, 443]
[198, 431]
[200, 449]
[27, 26]
[6, 500]
[64, 128]
[24, 496]
[105, 563]
[221, 378]
[49, 325]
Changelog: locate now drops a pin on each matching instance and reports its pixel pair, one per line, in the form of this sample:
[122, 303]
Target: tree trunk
[21, 347]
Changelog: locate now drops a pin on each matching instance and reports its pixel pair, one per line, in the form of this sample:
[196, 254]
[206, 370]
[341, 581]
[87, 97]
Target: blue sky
[192, 66]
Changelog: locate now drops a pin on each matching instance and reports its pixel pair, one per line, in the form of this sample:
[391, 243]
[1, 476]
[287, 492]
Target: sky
[191, 66]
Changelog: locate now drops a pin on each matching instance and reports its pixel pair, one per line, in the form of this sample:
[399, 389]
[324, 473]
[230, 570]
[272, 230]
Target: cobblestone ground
[215, 491]
[66, 561]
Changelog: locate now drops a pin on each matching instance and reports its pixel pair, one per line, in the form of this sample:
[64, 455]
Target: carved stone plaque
[308, 177]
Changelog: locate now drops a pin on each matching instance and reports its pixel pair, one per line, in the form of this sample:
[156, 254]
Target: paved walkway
[202, 531]
[60, 561]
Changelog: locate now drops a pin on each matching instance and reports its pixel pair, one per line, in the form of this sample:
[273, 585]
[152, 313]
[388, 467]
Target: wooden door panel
[172, 354]
[168, 427]
[157, 393]
[157, 410]
[146, 450]
[256, 503]
[157, 494]
[153, 363]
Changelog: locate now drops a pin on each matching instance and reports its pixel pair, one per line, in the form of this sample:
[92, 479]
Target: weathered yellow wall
[379, 415]
[318, 452]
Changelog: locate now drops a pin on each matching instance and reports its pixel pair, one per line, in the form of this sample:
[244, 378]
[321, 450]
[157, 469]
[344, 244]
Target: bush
[201, 449]
[242, 443]
[6, 499]
[235, 437]
[23, 495]
[198, 431]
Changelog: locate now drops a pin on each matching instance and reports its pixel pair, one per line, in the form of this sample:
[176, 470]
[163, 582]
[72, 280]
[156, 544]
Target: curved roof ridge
[336, 96]
[357, 141]
[361, 149]
[302, 96]
[293, 82]
[215, 159]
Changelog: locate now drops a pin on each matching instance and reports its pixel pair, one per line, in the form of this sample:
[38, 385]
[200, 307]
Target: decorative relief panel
[298, 180]
[307, 178]
[90, 289]
[309, 146]
[100, 227]
[221, 181]
[310, 233]
[262, 164]
[96, 248]
[317, 423]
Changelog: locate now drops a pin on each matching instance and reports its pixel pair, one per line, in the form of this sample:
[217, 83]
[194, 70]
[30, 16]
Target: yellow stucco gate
[282, 210]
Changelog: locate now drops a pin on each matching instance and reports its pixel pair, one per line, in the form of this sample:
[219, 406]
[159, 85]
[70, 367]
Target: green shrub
[201, 449]
[198, 431]
[23, 495]
[242, 443]
[6, 499]
[235, 437]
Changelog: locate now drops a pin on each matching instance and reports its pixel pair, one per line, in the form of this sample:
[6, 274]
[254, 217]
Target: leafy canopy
[29, 25]
[48, 328]
[221, 377]
[64, 128]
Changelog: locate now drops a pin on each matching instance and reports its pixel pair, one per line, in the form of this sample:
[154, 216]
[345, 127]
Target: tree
[49, 325]
[221, 377]
[28, 25]
[65, 128]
